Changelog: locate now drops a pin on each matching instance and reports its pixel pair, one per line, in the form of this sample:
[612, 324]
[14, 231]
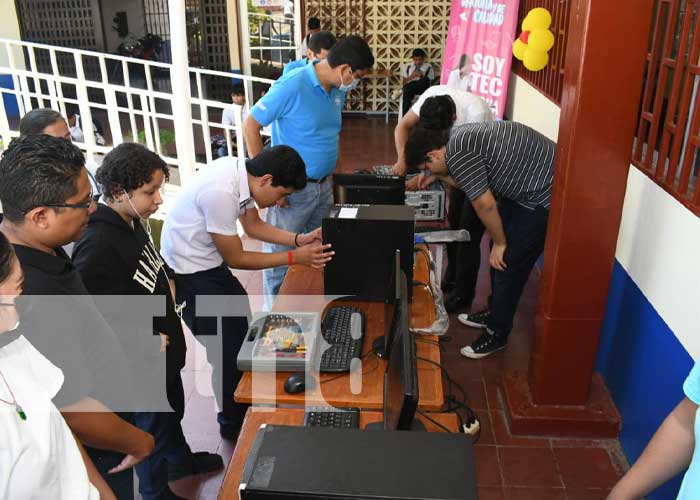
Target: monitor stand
[416, 425]
[378, 347]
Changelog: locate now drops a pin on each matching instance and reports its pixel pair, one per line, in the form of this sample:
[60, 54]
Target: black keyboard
[343, 328]
[340, 418]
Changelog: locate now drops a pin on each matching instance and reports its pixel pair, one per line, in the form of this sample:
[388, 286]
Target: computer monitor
[401, 377]
[401, 380]
[392, 305]
[366, 189]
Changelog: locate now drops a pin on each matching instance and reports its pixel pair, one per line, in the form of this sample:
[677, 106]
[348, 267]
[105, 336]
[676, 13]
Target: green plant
[167, 137]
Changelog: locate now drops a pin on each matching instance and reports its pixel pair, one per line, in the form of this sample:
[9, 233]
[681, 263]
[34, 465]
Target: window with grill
[667, 143]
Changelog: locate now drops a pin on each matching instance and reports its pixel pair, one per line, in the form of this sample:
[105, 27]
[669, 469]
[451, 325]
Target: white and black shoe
[475, 320]
[488, 343]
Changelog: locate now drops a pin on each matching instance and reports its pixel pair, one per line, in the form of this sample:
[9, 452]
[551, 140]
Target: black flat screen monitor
[366, 189]
[392, 305]
[401, 377]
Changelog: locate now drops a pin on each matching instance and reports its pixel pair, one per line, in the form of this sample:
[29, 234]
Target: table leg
[388, 99]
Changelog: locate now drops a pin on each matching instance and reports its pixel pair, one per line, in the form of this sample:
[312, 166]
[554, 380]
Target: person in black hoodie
[116, 257]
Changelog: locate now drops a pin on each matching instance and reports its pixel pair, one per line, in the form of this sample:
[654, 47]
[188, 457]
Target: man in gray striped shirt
[506, 170]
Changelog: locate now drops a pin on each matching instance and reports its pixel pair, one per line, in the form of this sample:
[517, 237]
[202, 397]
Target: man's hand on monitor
[313, 255]
[314, 236]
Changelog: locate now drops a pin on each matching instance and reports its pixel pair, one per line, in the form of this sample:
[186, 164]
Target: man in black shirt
[511, 163]
[47, 199]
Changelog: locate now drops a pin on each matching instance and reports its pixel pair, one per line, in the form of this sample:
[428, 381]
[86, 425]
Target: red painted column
[605, 60]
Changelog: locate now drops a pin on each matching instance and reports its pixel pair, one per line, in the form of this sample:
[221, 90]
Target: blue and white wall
[651, 331]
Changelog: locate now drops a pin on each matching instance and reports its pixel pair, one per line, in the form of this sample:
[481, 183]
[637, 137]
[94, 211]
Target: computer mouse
[295, 384]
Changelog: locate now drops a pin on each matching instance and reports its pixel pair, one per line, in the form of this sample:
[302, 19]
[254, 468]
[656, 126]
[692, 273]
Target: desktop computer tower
[351, 464]
[365, 239]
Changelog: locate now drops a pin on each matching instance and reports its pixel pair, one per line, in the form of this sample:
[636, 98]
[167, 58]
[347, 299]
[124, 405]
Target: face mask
[350, 86]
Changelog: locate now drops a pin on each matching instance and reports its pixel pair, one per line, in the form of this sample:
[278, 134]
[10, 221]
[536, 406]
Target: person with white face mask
[305, 110]
[38, 448]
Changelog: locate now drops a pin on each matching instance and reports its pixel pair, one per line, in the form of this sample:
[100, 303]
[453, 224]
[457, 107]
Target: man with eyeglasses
[47, 199]
[305, 110]
[506, 170]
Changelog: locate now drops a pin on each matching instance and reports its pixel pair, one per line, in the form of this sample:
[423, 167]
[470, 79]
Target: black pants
[464, 258]
[170, 444]
[121, 483]
[526, 231]
[221, 354]
[412, 89]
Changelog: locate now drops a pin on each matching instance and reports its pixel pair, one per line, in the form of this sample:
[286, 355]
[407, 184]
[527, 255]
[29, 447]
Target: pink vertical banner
[478, 52]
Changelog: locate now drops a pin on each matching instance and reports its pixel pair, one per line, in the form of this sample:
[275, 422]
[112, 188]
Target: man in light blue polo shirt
[319, 45]
[305, 109]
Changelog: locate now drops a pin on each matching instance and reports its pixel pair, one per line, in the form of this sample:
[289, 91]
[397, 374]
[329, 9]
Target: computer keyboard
[343, 328]
[340, 418]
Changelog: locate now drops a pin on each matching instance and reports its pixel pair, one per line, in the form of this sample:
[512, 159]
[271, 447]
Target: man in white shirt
[200, 243]
[468, 108]
[313, 26]
[228, 117]
[416, 77]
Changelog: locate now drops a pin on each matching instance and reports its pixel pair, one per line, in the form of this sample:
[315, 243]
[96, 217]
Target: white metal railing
[137, 90]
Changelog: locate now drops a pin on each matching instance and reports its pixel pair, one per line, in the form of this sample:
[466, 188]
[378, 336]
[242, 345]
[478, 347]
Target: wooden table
[302, 290]
[288, 416]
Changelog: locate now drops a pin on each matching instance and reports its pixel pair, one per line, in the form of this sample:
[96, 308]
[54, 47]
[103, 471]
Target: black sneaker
[455, 303]
[202, 462]
[475, 320]
[486, 344]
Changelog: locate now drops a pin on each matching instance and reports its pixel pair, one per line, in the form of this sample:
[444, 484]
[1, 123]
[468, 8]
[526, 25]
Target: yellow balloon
[538, 18]
[519, 49]
[541, 40]
[535, 60]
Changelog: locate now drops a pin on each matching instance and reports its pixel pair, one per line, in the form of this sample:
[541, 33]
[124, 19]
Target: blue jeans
[306, 210]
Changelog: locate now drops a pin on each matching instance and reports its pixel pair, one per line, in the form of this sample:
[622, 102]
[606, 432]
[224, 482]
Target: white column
[182, 96]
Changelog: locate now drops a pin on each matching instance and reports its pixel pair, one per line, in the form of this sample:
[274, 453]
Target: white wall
[135, 20]
[658, 246]
[527, 105]
[9, 28]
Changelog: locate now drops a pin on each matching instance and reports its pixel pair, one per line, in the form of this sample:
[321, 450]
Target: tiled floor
[508, 467]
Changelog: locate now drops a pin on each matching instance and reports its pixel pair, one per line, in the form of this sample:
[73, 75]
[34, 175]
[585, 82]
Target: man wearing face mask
[305, 110]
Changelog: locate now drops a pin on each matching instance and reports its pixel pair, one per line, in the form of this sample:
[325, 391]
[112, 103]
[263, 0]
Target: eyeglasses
[85, 205]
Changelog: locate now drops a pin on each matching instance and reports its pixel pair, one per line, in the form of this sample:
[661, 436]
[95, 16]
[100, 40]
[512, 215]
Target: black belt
[317, 181]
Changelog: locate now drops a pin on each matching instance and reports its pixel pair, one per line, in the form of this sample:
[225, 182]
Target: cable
[425, 416]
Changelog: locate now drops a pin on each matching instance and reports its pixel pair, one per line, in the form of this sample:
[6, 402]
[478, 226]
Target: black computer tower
[315, 463]
[365, 239]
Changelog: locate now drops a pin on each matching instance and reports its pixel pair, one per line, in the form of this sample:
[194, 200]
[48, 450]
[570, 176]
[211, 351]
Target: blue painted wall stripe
[643, 365]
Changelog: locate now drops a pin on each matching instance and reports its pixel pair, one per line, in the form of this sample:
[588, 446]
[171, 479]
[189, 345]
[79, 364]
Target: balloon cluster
[534, 42]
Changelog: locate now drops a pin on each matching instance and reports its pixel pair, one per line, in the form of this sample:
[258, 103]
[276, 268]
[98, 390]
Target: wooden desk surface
[302, 290]
[289, 416]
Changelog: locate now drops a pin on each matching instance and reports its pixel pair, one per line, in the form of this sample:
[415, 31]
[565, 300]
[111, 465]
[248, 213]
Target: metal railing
[135, 96]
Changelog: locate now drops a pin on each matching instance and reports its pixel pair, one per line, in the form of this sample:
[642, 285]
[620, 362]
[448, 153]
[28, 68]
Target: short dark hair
[351, 50]
[421, 142]
[418, 53]
[463, 60]
[313, 23]
[283, 163]
[37, 120]
[7, 257]
[127, 167]
[321, 40]
[37, 170]
[238, 89]
[437, 112]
